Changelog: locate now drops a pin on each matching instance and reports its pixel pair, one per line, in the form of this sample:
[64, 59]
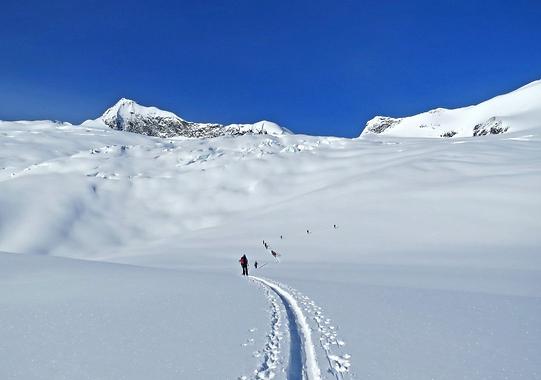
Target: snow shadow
[294, 368]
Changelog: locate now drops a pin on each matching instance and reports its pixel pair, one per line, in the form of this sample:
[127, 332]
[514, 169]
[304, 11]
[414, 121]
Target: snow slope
[433, 271]
[70, 319]
[516, 111]
[127, 115]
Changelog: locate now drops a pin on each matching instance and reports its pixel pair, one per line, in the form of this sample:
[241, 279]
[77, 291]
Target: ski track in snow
[271, 351]
[339, 365]
[302, 360]
[339, 362]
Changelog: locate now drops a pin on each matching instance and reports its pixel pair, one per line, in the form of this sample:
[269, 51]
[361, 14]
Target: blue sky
[316, 67]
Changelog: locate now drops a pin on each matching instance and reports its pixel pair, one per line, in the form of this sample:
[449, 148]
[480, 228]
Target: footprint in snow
[249, 342]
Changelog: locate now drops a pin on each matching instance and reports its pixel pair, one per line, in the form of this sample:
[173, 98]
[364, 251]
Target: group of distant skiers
[244, 260]
[273, 252]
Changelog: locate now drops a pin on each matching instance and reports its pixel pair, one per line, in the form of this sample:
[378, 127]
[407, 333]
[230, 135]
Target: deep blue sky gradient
[317, 67]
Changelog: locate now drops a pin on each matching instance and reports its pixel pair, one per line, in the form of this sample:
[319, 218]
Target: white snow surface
[516, 111]
[123, 255]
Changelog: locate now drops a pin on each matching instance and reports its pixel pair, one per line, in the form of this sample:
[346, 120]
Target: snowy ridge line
[310, 365]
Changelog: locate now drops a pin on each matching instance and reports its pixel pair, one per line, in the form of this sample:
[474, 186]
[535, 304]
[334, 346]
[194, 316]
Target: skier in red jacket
[244, 264]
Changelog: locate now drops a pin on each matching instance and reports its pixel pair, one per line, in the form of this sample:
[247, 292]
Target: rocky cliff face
[381, 123]
[492, 126]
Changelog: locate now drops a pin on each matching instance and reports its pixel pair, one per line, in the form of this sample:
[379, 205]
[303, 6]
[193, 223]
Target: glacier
[119, 248]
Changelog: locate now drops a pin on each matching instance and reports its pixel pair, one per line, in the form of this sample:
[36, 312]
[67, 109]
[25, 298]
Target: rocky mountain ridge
[127, 115]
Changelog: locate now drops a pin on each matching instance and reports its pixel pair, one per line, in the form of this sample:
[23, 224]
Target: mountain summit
[127, 115]
[514, 111]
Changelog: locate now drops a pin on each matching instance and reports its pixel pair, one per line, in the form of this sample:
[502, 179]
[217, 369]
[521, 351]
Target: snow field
[433, 272]
[72, 319]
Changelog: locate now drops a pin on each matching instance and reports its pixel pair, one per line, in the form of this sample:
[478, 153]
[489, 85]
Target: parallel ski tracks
[302, 358]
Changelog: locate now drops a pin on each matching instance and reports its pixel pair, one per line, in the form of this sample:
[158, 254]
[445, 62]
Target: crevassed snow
[516, 111]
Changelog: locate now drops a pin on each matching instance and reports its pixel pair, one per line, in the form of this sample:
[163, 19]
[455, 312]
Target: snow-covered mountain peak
[514, 111]
[124, 101]
[128, 115]
[125, 104]
[129, 109]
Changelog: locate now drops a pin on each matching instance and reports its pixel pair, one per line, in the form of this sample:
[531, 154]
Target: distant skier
[334, 226]
[265, 244]
[244, 264]
[307, 232]
[274, 254]
[255, 265]
[281, 237]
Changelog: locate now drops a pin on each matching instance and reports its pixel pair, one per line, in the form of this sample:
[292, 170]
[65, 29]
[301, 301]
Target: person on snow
[244, 264]
[255, 265]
